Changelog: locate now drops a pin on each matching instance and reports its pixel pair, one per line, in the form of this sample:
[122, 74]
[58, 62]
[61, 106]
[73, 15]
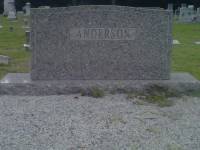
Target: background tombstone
[27, 9]
[26, 22]
[11, 15]
[6, 8]
[4, 59]
[183, 5]
[192, 12]
[9, 5]
[198, 15]
[44, 7]
[74, 2]
[27, 44]
[20, 13]
[12, 10]
[1, 26]
[187, 14]
[113, 2]
[198, 10]
[177, 12]
[170, 6]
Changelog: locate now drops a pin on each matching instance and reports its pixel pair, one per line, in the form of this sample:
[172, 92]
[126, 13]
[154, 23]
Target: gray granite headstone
[1, 24]
[27, 9]
[198, 15]
[20, 13]
[170, 6]
[44, 7]
[7, 7]
[27, 44]
[4, 59]
[113, 2]
[187, 14]
[198, 11]
[101, 43]
[12, 15]
[12, 10]
[26, 22]
[183, 5]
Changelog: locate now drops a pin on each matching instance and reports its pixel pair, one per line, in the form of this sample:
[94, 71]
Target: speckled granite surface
[144, 55]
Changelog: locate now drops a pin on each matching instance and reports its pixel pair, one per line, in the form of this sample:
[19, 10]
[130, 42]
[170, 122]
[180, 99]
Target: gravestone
[7, 7]
[4, 59]
[12, 10]
[101, 43]
[44, 7]
[198, 15]
[1, 24]
[187, 14]
[26, 22]
[198, 11]
[20, 13]
[177, 12]
[170, 6]
[27, 44]
[11, 15]
[114, 48]
[183, 5]
[27, 9]
[113, 2]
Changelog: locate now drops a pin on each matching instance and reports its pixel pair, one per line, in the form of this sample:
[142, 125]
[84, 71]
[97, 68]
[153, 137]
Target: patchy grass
[11, 44]
[156, 95]
[93, 92]
[186, 56]
[160, 100]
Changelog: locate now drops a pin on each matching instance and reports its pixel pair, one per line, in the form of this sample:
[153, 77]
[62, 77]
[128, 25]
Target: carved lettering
[102, 33]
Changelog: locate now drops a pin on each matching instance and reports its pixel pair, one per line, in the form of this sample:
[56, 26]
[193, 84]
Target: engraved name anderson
[102, 33]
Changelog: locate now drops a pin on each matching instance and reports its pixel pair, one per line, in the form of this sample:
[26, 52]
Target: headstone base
[21, 84]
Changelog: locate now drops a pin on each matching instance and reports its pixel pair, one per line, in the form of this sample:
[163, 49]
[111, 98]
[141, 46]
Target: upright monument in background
[27, 9]
[9, 6]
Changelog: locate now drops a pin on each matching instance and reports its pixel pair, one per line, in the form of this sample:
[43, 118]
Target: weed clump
[156, 95]
[93, 92]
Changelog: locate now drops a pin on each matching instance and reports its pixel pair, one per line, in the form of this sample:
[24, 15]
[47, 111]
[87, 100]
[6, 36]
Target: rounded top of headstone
[191, 6]
[10, 1]
[44, 7]
[90, 8]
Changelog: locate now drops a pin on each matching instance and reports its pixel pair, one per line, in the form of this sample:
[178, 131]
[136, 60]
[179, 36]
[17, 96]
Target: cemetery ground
[11, 44]
[99, 120]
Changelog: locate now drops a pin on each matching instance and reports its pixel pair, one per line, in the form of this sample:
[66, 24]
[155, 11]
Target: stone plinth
[21, 84]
